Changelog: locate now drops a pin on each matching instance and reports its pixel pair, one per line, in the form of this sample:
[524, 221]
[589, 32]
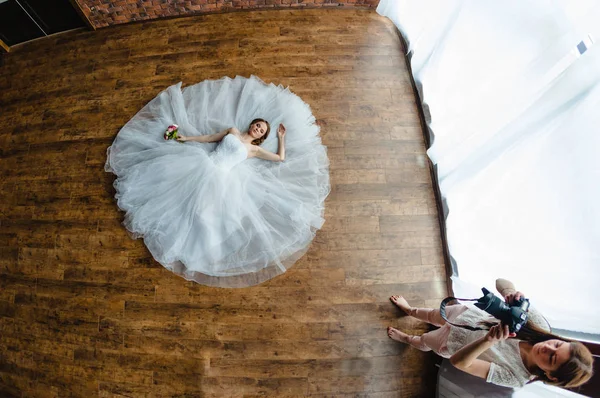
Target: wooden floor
[85, 311]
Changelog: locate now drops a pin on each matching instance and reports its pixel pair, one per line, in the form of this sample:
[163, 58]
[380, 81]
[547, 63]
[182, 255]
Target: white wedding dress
[205, 211]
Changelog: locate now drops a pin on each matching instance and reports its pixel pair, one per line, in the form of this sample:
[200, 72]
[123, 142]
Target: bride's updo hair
[262, 139]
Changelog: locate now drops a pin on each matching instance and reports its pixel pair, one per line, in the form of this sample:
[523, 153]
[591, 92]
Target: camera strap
[443, 313]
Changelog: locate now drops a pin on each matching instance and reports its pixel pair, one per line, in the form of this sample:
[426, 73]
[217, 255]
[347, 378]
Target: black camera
[515, 316]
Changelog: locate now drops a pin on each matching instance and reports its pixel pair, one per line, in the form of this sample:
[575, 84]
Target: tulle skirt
[219, 227]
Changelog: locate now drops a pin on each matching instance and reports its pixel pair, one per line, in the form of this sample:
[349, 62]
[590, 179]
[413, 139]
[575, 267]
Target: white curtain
[513, 91]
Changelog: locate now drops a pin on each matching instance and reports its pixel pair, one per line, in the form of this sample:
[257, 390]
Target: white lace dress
[507, 367]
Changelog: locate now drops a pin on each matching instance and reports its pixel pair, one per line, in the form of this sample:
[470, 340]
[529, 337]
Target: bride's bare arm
[275, 157]
[266, 155]
[207, 138]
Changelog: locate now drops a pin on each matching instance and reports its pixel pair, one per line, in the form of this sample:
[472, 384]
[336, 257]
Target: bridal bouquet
[171, 133]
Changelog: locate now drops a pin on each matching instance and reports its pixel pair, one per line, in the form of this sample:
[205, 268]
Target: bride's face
[257, 129]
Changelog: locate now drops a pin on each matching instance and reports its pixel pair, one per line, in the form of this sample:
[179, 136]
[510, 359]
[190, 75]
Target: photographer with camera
[519, 350]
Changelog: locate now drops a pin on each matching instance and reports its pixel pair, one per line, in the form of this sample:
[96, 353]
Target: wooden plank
[4, 46]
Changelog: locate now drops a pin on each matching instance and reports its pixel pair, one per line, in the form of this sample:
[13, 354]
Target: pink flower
[171, 132]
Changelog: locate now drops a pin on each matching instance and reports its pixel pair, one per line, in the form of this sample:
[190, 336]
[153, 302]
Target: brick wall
[102, 13]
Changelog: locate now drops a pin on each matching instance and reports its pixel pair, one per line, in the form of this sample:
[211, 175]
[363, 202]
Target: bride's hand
[281, 131]
[182, 138]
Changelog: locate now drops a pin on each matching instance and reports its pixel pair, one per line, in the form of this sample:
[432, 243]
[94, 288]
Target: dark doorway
[23, 20]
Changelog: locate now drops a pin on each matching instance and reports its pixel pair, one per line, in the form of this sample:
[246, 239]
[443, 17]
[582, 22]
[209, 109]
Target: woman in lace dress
[496, 355]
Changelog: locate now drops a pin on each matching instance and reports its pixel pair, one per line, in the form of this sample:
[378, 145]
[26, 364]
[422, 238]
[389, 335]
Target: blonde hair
[576, 371]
